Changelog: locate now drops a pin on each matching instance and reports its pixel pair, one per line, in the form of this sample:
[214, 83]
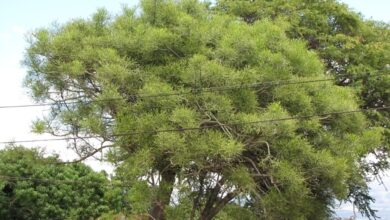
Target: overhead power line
[198, 128]
[201, 90]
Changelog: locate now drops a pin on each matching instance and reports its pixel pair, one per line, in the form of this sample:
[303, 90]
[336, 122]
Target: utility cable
[201, 90]
[198, 128]
[61, 181]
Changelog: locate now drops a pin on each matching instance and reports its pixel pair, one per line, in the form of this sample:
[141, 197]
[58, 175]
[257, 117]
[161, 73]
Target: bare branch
[88, 155]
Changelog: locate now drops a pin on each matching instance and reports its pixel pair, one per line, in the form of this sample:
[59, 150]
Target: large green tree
[355, 50]
[180, 95]
[36, 187]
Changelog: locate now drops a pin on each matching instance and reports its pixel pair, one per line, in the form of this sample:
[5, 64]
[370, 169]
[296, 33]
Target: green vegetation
[37, 187]
[171, 93]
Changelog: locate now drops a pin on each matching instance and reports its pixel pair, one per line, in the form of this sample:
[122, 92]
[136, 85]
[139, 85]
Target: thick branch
[213, 197]
[165, 188]
[220, 204]
[196, 204]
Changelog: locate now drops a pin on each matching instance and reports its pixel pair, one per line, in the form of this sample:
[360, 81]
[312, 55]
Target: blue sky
[18, 17]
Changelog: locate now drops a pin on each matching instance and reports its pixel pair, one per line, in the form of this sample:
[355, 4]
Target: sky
[18, 18]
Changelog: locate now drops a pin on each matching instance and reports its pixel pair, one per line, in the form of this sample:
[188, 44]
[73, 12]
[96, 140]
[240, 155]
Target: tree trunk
[210, 213]
[163, 194]
[196, 204]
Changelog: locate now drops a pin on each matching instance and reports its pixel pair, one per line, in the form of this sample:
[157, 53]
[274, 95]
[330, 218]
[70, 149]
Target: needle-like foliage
[175, 76]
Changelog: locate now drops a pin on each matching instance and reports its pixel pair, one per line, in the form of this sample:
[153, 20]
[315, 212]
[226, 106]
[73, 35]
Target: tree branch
[87, 156]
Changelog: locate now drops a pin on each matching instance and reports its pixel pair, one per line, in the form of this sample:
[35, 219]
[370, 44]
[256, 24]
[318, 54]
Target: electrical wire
[112, 184]
[201, 90]
[198, 128]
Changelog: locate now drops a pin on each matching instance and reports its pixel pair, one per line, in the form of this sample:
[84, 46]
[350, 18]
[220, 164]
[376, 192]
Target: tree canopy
[348, 45]
[356, 51]
[212, 114]
[37, 187]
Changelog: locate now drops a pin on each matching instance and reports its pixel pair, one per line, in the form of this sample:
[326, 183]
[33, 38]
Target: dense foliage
[350, 47]
[166, 91]
[354, 50]
[37, 187]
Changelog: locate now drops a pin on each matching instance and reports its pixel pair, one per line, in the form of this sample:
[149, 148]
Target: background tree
[353, 49]
[37, 187]
[350, 46]
[180, 95]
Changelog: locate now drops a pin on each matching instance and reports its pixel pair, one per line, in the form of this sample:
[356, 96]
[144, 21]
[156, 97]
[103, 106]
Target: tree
[355, 50]
[350, 46]
[37, 187]
[205, 114]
